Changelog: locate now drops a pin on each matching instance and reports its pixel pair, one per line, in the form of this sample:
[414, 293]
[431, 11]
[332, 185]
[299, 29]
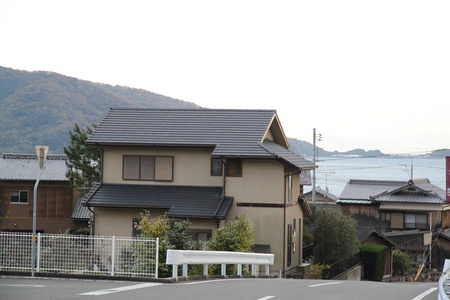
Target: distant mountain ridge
[40, 108]
[306, 149]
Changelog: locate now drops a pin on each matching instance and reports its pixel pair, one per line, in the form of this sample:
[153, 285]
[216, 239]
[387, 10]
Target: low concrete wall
[352, 274]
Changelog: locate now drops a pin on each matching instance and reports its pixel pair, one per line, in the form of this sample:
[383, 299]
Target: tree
[237, 235]
[172, 234]
[83, 161]
[334, 236]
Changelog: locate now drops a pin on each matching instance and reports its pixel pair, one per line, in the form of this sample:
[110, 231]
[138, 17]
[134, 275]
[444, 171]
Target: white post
[205, 269]
[239, 270]
[175, 271]
[157, 258]
[224, 270]
[185, 270]
[267, 270]
[38, 264]
[254, 270]
[113, 254]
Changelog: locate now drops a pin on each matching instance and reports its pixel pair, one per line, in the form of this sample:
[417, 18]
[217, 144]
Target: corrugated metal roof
[26, 167]
[181, 201]
[420, 191]
[232, 133]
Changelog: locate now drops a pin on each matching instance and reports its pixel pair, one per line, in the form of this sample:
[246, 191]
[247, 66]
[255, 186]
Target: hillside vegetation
[40, 108]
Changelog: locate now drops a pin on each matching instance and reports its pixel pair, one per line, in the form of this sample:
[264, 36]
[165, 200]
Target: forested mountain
[40, 108]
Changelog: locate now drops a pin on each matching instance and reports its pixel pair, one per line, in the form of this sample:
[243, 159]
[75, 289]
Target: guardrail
[205, 258]
[445, 274]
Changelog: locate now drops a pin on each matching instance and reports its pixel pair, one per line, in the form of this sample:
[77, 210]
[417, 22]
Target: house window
[19, 197]
[234, 167]
[385, 216]
[216, 167]
[416, 221]
[155, 168]
[200, 235]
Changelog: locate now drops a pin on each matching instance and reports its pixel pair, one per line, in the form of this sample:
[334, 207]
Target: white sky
[366, 74]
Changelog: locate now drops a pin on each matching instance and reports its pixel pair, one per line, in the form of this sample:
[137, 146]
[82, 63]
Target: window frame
[417, 225]
[19, 196]
[215, 160]
[237, 172]
[155, 172]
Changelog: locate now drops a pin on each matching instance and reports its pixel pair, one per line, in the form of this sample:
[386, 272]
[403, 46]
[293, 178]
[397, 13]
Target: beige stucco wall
[119, 221]
[191, 166]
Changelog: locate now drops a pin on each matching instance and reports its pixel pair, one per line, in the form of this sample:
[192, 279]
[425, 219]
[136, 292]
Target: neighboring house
[398, 209]
[371, 236]
[206, 165]
[56, 198]
[322, 195]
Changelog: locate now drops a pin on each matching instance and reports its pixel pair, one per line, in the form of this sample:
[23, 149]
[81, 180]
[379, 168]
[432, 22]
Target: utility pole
[315, 154]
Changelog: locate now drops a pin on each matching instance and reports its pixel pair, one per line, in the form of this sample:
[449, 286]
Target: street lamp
[41, 152]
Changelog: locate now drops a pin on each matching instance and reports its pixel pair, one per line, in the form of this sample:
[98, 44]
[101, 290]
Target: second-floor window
[155, 168]
[233, 167]
[19, 197]
[416, 221]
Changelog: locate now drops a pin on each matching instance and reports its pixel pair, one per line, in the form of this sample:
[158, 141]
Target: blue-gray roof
[231, 133]
[26, 167]
[413, 191]
[181, 201]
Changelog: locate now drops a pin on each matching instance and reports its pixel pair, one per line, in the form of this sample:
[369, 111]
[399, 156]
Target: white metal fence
[78, 254]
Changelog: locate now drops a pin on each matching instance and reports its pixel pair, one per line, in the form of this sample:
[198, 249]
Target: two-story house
[406, 212]
[207, 165]
[57, 206]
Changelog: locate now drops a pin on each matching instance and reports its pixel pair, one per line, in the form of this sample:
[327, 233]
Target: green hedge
[373, 258]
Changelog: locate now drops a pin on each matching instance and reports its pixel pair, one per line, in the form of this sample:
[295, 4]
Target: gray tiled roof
[323, 193]
[287, 155]
[80, 212]
[231, 133]
[181, 201]
[26, 167]
[393, 191]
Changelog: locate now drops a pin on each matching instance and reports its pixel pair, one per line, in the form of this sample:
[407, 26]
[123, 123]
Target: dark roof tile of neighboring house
[231, 133]
[26, 167]
[413, 191]
[181, 201]
[323, 193]
[80, 212]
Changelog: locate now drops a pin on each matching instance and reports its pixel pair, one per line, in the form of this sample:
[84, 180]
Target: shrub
[315, 272]
[237, 235]
[334, 236]
[373, 258]
[172, 234]
[401, 263]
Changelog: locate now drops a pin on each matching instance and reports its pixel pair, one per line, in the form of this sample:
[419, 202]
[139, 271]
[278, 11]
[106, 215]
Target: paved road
[255, 289]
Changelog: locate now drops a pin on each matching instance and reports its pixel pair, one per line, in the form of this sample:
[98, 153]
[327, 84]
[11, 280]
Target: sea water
[334, 172]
